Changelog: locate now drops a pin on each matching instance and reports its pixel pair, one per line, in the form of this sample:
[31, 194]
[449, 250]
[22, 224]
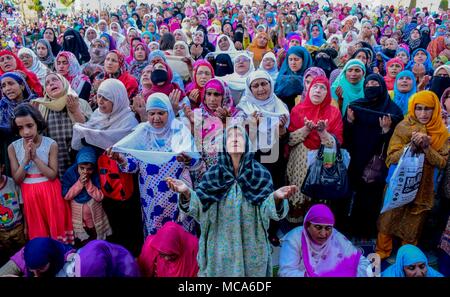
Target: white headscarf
[103, 130]
[86, 40]
[37, 67]
[272, 72]
[271, 109]
[236, 81]
[158, 145]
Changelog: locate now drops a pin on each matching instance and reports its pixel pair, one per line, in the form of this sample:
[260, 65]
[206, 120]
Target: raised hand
[174, 97]
[177, 185]
[184, 158]
[118, 157]
[322, 125]
[309, 124]
[188, 113]
[350, 115]
[194, 95]
[385, 123]
[73, 105]
[285, 192]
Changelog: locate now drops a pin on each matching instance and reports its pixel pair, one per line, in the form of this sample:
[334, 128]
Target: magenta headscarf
[337, 257]
[193, 85]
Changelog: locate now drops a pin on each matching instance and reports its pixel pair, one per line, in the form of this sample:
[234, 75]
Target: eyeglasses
[242, 60]
[262, 84]
[215, 94]
[427, 109]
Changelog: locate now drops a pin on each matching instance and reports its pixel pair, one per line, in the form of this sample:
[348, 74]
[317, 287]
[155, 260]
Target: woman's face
[12, 89]
[53, 86]
[394, 69]
[213, 99]
[224, 44]
[308, 81]
[163, 29]
[391, 44]
[139, 53]
[295, 62]
[102, 26]
[151, 27]
[132, 34]
[242, 65]
[354, 74]
[423, 113]
[317, 93]
[235, 141]
[62, 65]
[404, 84]
[112, 63]
[442, 73]
[153, 47]
[268, 64]
[49, 35]
[146, 39]
[362, 57]
[319, 233]
[315, 32]
[104, 15]
[115, 27]
[261, 41]
[416, 270]
[415, 34]
[178, 36]
[402, 55]
[349, 37]
[203, 75]
[375, 31]
[27, 60]
[115, 19]
[227, 28]
[260, 88]
[8, 63]
[157, 118]
[91, 34]
[420, 57]
[198, 38]
[41, 50]
[294, 42]
[179, 50]
[104, 104]
[146, 76]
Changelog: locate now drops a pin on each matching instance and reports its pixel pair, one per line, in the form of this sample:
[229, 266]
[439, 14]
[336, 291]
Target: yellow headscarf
[435, 127]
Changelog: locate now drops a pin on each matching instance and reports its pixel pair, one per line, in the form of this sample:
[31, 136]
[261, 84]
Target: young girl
[34, 161]
[81, 186]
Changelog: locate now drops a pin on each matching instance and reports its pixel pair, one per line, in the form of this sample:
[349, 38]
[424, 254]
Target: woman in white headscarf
[116, 32]
[90, 35]
[269, 65]
[243, 66]
[260, 105]
[32, 62]
[112, 121]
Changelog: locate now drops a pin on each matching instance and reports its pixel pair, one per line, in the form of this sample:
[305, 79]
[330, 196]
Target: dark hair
[26, 109]
[167, 42]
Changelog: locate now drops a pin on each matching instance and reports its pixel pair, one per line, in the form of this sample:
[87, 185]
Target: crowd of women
[176, 139]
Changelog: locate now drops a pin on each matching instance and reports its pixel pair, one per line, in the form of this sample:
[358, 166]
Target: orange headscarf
[435, 127]
[258, 53]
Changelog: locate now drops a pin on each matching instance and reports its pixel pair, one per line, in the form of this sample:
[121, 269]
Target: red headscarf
[32, 79]
[130, 82]
[193, 85]
[390, 81]
[168, 86]
[131, 57]
[171, 239]
[323, 111]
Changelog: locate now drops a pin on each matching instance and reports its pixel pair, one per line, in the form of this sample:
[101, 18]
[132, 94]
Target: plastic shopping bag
[405, 181]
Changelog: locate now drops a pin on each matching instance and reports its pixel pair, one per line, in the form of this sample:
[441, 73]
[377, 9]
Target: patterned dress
[159, 203]
[234, 240]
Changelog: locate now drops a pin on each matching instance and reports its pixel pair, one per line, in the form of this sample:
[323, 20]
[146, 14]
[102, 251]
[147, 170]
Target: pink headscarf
[193, 85]
[337, 257]
[171, 239]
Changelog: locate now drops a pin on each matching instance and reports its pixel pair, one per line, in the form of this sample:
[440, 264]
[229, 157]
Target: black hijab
[325, 59]
[74, 43]
[56, 48]
[363, 138]
[223, 66]
[369, 56]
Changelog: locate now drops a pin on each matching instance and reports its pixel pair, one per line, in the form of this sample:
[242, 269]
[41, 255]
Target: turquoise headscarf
[351, 92]
[402, 99]
[318, 41]
[401, 49]
[408, 255]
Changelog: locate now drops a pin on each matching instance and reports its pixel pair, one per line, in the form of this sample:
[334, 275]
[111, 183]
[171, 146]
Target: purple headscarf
[100, 258]
[314, 72]
[337, 257]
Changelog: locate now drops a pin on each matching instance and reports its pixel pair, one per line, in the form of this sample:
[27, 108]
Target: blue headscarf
[428, 63]
[401, 49]
[111, 41]
[85, 155]
[156, 34]
[41, 251]
[290, 83]
[351, 92]
[274, 22]
[402, 99]
[408, 255]
[317, 41]
[147, 33]
[7, 106]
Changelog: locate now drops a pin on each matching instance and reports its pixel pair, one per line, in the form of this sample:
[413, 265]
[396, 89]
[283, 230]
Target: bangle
[27, 167]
